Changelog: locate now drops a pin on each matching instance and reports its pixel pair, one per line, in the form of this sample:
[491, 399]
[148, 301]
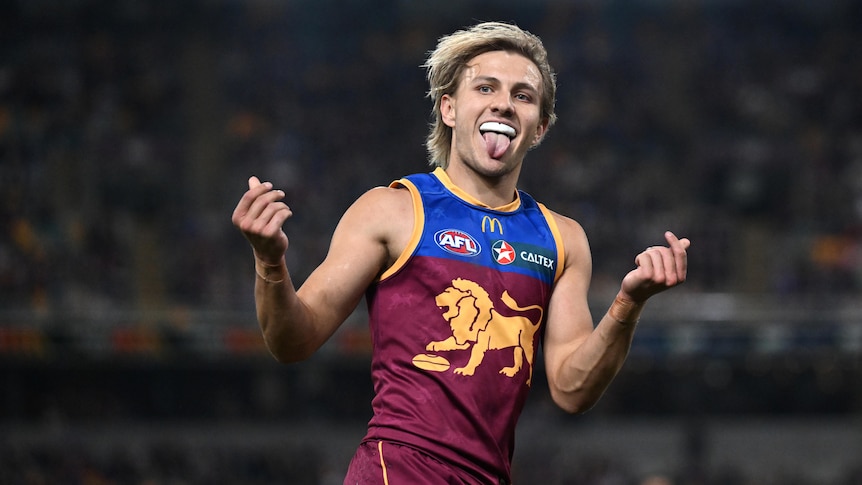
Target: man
[463, 274]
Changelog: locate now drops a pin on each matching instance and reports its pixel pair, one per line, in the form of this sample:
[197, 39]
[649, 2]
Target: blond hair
[446, 63]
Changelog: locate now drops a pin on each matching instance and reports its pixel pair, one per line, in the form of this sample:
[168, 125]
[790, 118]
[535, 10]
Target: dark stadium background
[129, 352]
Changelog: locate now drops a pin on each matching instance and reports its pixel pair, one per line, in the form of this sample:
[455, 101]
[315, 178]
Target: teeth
[497, 128]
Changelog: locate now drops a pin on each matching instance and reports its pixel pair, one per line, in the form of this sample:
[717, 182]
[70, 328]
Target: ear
[447, 110]
[540, 132]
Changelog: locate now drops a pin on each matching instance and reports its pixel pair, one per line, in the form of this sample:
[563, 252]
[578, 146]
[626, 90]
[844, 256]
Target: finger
[256, 188]
[679, 248]
[658, 266]
[681, 260]
[674, 242]
[272, 218]
[277, 220]
[245, 204]
[644, 263]
[259, 197]
[669, 263]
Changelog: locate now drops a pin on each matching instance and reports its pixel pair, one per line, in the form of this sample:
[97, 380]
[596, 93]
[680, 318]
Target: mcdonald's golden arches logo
[493, 223]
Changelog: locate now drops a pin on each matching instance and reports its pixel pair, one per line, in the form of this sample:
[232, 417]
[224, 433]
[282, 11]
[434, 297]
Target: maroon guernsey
[456, 323]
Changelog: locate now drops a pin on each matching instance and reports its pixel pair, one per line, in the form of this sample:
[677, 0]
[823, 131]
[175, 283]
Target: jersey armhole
[561, 249]
[418, 225]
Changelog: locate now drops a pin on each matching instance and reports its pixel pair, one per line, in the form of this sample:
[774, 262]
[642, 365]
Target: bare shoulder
[386, 198]
[386, 206]
[384, 214]
[574, 237]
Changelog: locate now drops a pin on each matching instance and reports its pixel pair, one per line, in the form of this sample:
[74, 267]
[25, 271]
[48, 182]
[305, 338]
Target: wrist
[269, 272]
[267, 259]
[625, 310]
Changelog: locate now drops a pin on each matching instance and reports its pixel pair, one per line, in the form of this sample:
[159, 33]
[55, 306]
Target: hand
[658, 268]
[260, 215]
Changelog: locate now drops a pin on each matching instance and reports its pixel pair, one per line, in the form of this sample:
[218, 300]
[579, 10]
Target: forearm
[284, 321]
[588, 371]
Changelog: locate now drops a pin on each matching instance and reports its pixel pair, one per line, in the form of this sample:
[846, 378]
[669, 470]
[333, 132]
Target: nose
[502, 104]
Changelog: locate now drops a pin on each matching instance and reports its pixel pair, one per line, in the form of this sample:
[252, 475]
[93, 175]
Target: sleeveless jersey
[455, 324]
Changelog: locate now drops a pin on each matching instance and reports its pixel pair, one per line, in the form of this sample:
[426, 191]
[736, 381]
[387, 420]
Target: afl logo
[503, 252]
[457, 242]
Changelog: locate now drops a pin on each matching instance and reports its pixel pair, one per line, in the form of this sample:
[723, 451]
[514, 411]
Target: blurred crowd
[165, 463]
[128, 130]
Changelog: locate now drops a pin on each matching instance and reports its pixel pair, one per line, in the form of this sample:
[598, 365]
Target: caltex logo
[503, 252]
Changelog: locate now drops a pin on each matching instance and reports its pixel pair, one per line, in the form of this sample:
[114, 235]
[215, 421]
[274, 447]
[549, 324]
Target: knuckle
[254, 227]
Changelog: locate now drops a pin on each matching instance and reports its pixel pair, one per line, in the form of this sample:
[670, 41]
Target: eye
[524, 97]
[485, 89]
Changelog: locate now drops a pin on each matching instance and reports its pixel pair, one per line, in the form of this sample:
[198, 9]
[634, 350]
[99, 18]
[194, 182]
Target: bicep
[358, 253]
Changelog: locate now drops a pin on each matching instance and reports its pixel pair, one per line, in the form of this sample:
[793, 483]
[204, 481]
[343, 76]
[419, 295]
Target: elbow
[573, 406]
[286, 354]
[574, 402]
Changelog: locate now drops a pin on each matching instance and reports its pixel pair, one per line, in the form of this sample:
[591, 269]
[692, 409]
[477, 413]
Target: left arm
[582, 360]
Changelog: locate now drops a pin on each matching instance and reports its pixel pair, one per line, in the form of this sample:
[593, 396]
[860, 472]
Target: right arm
[368, 238]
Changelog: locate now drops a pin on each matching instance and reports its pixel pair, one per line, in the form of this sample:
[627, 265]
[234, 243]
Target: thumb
[253, 182]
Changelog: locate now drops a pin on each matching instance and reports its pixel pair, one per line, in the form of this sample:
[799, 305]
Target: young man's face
[495, 112]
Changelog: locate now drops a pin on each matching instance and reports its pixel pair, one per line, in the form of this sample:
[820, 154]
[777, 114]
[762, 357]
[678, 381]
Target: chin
[493, 167]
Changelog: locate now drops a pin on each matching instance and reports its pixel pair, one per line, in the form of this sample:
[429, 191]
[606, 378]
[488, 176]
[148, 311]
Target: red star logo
[504, 253]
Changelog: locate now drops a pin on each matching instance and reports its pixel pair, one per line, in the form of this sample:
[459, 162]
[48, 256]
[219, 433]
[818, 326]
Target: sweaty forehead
[504, 66]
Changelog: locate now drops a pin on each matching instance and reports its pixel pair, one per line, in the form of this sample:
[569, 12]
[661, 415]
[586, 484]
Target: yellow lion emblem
[474, 322]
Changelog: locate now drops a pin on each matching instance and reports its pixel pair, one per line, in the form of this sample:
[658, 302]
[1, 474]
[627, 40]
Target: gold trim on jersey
[382, 463]
[447, 182]
[418, 224]
[558, 238]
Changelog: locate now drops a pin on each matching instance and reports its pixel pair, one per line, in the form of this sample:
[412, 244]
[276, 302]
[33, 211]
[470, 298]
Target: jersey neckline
[443, 177]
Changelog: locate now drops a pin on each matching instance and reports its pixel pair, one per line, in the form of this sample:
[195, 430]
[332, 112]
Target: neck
[491, 191]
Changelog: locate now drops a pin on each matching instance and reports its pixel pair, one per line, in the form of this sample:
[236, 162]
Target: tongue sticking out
[496, 144]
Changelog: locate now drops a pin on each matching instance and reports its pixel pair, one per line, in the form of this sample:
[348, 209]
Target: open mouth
[497, 137]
